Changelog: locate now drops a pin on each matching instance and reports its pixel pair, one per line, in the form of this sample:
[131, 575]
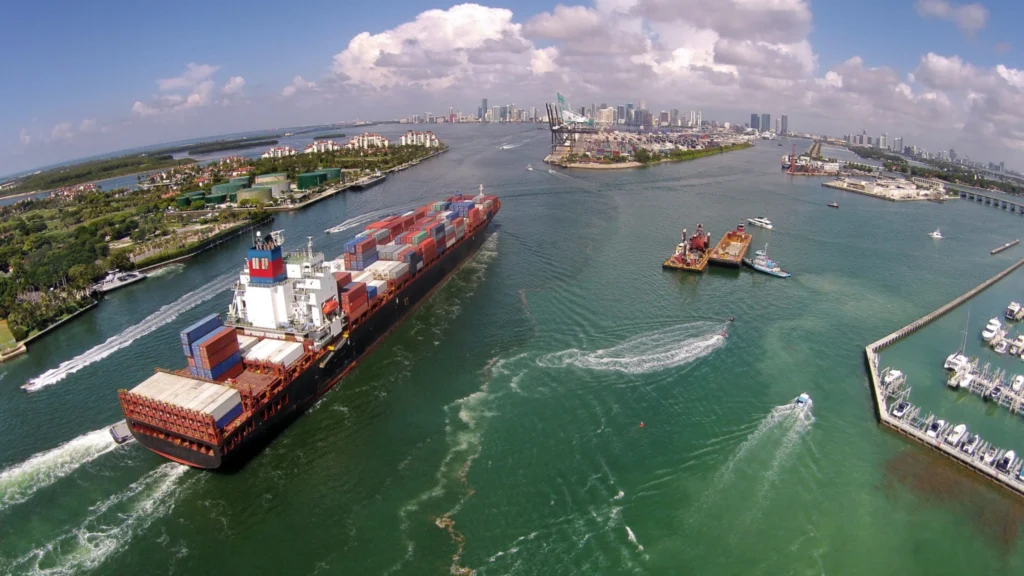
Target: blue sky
[74, 84]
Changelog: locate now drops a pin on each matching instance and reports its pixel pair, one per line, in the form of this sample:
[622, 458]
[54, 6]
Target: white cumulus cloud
[970, 18]
[62, 131]
[24, 137]
[234, 85]
[193, 88]
[299, 84]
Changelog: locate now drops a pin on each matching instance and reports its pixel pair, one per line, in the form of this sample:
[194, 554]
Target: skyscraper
[663, 118]
[766, 122]
[483, 109]
[755, 122]
[785, 125]
[620, 116]
[882, 140]
[673, 117]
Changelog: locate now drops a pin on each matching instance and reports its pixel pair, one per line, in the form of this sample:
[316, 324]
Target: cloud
[62, 131]
[299, 85]
[24, 138]
[193, 88]
[234, 85]
[970, 18]
[87, 125]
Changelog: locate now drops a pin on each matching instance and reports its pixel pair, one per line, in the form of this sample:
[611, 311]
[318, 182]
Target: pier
[888, 388]
[1006, 246]
[1013, 206]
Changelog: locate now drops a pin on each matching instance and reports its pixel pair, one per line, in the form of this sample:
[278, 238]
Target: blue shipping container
[230, 416]
[199, 329]
[219, 370]
[371, 292]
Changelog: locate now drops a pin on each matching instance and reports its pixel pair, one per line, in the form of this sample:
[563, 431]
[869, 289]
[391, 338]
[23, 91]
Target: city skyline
[954, 80]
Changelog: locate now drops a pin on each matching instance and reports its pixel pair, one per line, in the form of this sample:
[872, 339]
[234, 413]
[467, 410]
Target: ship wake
[108, 527]
[362, 219]
[20, 481]
[161, 317]
[668, 348]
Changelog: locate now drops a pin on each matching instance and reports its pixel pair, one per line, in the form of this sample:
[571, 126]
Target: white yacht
[1007, 461]
[762, 222]
[898, 410]
[937, 234]
[956, 435]
[991, 330]
[955, 361]
[935, 428]
[1012, 310]
[1017, 346]
[1001, 347]
[891, 377]
[1018, 383]
[989, 456]
[971, 445]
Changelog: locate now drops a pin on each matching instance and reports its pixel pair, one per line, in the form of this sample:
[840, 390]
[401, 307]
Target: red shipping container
[233, 372]
[353, 296]
[356, 311]
[217, 357]
[221, 337]
[342, 279]
[191, 362]
[367, 245]
[421, 211]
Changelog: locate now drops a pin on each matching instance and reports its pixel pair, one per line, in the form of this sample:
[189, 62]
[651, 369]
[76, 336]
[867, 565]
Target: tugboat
[765, 265]
[833, 204]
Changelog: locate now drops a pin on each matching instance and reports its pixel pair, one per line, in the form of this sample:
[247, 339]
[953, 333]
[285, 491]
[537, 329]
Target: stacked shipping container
[212, 349]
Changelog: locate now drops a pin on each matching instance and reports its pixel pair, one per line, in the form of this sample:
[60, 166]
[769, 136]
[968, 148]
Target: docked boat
[991, 329]
[989, 455]
[761, 222]
[1007, 461]
[891, 378]
[833, 204]
[1017, 345]
[994, 394]
[765, 265]
[372, 180]
[1012, 310]
[955, 361]
[1018, 383]
[956, 435]
[116, 279]
[937, 234]
[971, 444]
[1001, 347]
[934, 428]
[786, 162]
[899, 409]
[297, 324]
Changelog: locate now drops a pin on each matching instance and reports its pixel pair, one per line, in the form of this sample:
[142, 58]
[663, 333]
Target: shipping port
[731, 248]
[296, 325]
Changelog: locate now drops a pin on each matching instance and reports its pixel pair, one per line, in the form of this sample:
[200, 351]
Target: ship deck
[699, 265]
[730, 250]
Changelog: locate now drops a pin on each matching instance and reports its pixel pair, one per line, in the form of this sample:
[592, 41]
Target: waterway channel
[499, 428]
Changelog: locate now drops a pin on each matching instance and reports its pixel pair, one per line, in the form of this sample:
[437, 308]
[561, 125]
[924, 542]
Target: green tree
[119, 260]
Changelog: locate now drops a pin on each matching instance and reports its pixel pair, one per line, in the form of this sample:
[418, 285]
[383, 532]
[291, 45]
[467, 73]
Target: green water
[499, 429]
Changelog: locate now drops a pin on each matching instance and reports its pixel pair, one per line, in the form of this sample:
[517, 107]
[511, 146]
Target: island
[611, 150]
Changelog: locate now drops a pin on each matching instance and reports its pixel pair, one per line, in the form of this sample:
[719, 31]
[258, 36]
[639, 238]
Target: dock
[888, 389]
[731, 249]
[1006, 246]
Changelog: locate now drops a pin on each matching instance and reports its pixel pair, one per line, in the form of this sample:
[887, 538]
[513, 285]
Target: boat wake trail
[362, 219]
[19, 482]
[169, 270]
[790, 421]
[652, 352]
[108, 528]
[161, 317]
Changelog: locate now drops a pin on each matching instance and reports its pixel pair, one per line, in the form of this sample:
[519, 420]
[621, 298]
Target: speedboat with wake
[529, 167]
[765, 265]
[833, 204]
[937, 234]
[803, 401]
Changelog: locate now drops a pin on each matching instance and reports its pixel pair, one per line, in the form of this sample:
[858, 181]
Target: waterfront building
[320, 146]
[483, 109]
[278, 152]
[766, 122]
[755, 122]
[367, 140]
[785, 126]
[413, 138]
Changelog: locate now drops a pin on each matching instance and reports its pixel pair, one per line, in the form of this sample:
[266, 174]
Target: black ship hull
[305, 389]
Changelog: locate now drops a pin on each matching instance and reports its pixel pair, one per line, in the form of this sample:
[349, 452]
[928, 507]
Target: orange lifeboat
[330, 306]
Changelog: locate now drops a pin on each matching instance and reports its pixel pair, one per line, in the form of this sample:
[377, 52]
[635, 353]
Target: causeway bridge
[1013, 205]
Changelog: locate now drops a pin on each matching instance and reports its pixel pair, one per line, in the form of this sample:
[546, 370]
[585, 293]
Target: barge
[297, 324]
[731, 248]
[692, 253]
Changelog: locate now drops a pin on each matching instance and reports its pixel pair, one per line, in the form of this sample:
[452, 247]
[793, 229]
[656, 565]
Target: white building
[413, 138]
[367, 140]
[279, 152]
[320, 146]
[606, 116]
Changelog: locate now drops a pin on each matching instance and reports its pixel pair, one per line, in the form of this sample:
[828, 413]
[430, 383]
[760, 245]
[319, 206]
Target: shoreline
[634, 164]
[21, 348]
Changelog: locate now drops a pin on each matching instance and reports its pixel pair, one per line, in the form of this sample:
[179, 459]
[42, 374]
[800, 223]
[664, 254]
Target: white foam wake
[169, 270]
[161, 317]
[108, 528]
[364, 219]
[20, 481]
[659, 350]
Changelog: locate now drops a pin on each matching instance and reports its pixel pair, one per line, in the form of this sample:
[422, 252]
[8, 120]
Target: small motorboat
[1006, 462]
[529, 167]
[1018, 383]
[994, 394]
[937, 234]
[971, 445]
[833, 204]
[991, 329]
[762, 222]
[934, 428]
[989, 456]
[803, 401]
[891, 377]
[956, 435]
[120, 432]
[1001, 347]
[898, 410]
[1017, 346]
[1012, 310]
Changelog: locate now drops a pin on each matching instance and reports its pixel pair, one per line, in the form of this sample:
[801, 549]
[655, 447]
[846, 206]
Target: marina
[894, 410]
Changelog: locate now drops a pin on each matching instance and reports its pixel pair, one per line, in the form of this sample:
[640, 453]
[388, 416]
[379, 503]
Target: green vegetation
[873, 154]
[94, 170]
[862, 167]
[643, 156]
[945, 171]
[229, 145]
[375, 159]
[7, 340]
[325, 136]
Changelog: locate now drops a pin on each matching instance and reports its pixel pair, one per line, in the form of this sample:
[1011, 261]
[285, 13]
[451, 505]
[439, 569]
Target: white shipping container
[450, 242]
[264, 350]
[245, 343]
[380, 285]
[287, 354]
[363, 277]
[223, 404]
[397, 271]
[187, 393]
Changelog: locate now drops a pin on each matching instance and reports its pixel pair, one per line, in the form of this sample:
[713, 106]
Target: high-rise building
[664, 118]
[629, 114]
[673, 117]
[620, 114]
[785, 126]
[755, 122]
[700, 119]
[952, 154]
[897, 144]
[533, 113]
[882, 139]
[766, 122]
[483, 109]
[495, 114]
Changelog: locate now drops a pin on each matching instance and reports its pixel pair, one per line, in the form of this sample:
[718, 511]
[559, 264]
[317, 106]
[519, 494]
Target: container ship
[296, 325]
